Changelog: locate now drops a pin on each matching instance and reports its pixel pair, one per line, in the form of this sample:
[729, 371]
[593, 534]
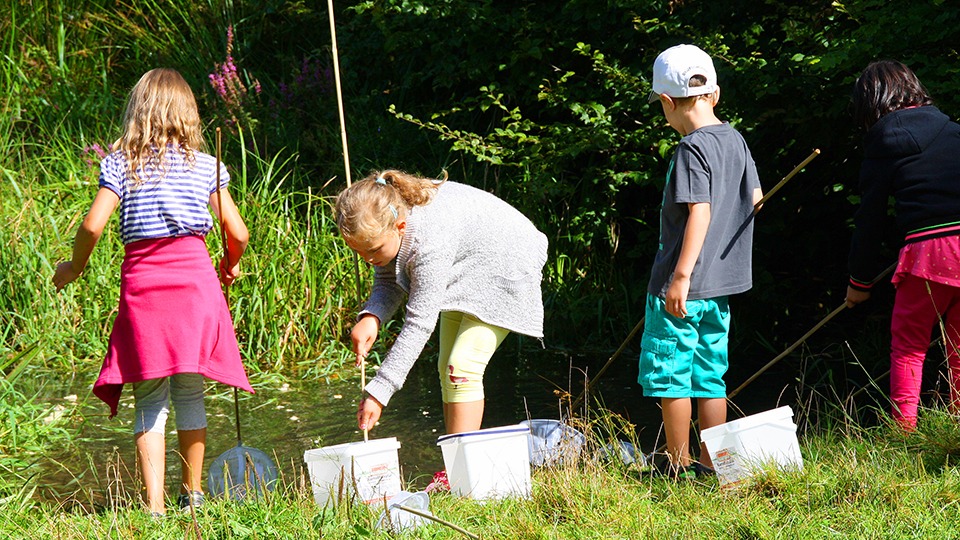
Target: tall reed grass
[299, 280]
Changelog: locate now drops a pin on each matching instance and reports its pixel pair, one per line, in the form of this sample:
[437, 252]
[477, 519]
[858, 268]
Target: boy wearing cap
[706, 241]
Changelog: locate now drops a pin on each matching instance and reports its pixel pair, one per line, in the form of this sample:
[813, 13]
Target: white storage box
[488, 464]
[740, 447]
[369, 469]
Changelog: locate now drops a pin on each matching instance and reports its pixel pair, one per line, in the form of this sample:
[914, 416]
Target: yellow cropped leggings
[466, 346]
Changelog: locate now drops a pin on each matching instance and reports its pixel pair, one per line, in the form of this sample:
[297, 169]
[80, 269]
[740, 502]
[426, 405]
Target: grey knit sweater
[465, 251]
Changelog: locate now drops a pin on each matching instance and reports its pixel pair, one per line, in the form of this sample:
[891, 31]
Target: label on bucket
[370, 470]
[728, 467]
[377, 481]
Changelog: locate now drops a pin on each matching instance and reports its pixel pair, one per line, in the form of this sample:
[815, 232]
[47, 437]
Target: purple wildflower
[230, 88]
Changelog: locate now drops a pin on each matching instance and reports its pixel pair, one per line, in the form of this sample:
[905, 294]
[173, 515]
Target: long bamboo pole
[346, 169]
[803, 338]
[791, 348]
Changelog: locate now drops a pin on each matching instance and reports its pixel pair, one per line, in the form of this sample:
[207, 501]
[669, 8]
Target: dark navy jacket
[913, 156]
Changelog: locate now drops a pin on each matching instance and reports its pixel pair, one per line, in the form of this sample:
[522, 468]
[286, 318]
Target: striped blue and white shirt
[163, 205]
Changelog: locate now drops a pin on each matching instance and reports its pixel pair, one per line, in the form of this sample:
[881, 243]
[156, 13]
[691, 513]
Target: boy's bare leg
[711, 412]
[193, 444]
[676, 425]
[463, 416]
[150, 453]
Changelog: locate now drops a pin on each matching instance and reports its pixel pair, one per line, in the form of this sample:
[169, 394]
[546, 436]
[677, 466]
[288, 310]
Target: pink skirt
[934, 259]
[172, 319]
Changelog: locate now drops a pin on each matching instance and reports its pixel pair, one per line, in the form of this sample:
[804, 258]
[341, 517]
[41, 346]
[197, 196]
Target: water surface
[284, 420]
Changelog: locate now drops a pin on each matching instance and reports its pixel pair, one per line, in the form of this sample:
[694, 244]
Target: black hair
[883, 87]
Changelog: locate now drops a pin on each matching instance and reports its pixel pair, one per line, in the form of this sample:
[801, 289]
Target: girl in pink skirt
[173, 326]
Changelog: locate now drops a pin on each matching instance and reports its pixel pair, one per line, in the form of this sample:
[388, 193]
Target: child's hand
[676, 300]
[64, 275]
[228, 274]
[363, 335]
[855, 297]
[369, 413]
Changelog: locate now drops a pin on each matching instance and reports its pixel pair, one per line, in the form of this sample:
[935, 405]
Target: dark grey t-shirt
[711, 165]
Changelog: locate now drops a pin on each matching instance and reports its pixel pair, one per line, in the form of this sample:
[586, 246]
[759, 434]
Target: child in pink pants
[912, 155]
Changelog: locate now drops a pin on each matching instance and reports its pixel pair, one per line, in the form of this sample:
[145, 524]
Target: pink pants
[921, 306]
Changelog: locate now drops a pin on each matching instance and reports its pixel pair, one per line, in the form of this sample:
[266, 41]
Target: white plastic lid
[359, 448]
[490, 432]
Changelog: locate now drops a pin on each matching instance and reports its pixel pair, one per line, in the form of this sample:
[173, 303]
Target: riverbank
[856, 482]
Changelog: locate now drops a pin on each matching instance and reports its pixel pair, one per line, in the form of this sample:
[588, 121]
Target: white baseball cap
[675, 66]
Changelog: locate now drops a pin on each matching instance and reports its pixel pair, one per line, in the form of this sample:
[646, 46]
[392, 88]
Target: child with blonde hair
[458, 254]
[173, 326]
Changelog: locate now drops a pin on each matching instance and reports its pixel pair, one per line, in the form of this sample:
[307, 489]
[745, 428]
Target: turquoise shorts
[685, 358]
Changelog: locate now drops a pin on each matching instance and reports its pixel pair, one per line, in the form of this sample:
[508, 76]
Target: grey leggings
[152, 400]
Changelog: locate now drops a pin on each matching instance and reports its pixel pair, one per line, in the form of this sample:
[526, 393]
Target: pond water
[284, 420]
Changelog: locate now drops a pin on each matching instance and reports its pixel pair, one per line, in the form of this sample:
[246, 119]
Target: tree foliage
[548, 102]
[542, 102]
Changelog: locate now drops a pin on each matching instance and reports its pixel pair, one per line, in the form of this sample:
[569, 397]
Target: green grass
[28, 427]
[857, 483]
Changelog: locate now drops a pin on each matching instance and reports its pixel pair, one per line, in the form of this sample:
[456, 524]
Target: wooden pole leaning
[586, 391]
[802, 339]
[791, 174]
[226, 257]
[343, 123]
[346, 169]
[432, 517]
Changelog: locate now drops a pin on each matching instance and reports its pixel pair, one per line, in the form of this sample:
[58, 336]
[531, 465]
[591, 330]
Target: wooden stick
[457, 528]
[791, 174]
[336, 77]
[798, 342]
[363, 383]
[593, 381]
[346, 169]
[788, 350]
[223, 231]
[343, 128]
[226, 288]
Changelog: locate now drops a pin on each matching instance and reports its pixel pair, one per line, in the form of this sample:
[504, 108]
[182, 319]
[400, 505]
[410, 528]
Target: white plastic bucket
[553, 442]
[741, 447]
[370, 469]
[488, 464]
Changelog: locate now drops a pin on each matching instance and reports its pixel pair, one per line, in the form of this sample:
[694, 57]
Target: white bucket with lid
[489, 463]
[741, 447]
[370, 469]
